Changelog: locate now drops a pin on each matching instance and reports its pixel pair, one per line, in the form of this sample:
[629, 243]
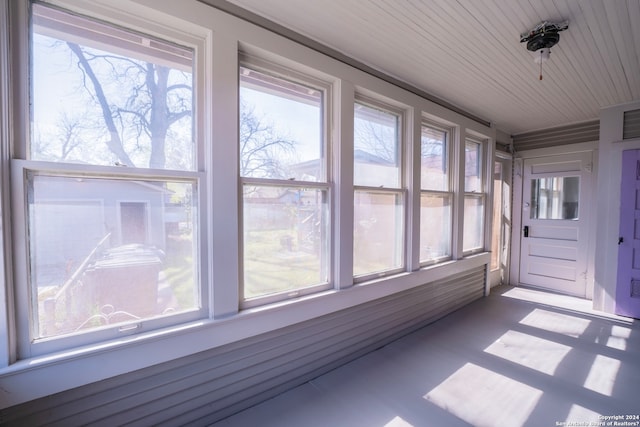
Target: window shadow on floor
[500, 361]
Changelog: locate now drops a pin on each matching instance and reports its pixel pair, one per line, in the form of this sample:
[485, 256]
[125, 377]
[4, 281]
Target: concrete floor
[520, 357]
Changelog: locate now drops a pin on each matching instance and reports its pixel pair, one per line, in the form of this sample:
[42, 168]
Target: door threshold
[555, 299]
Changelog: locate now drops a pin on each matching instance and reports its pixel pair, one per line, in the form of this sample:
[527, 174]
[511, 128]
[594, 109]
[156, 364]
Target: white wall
[608, 207]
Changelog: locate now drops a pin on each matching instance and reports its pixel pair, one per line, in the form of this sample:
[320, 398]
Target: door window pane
[378, 231]
[109, 251]
[435, 226]
[376, 148]
[285, 239]
[281, 133]
[555, 197]
[105, 96]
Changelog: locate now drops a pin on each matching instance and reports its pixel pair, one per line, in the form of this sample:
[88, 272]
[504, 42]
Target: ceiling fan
[542, 38]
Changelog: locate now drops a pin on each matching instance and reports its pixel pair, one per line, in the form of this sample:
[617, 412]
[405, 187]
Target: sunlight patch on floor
[482, 397]
[398, 422]
[529, 351]
[559, 323]
[579, 414]
[602, 375]
[619, 337]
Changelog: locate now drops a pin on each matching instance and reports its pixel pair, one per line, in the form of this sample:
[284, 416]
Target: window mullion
[458, 192]
[343, 166]
[223, 157]
[413, 156]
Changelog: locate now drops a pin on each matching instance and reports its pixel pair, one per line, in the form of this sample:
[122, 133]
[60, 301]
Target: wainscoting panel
[209, 386]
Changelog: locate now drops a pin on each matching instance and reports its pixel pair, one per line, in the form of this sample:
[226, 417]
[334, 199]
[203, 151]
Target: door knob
[620, 240]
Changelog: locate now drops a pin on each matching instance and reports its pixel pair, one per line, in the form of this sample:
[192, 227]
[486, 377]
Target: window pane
[105, 96]
[109, 251]
[472, 167]
[555, 197]
[435, 226]
[281, 133]
[473, 223]
[378, 232]
[376, 148]
[285, 239]
[434, 168]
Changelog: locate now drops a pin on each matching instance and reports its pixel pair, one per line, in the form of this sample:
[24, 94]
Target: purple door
[628, 286]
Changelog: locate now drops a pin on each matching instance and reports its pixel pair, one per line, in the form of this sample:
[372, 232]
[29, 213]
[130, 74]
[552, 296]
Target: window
[474, 196]
[166, 195]
[378, 194]
[555, 197]
[435, 196]
[107, 185]
[285, 189]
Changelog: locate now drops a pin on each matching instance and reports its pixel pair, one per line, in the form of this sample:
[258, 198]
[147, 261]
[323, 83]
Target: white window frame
[255, 62]
[479, 195]
[216, 36]
[400, 191]
[21, 166]
[449, 132]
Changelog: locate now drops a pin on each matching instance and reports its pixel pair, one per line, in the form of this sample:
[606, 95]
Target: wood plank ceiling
[468, 53]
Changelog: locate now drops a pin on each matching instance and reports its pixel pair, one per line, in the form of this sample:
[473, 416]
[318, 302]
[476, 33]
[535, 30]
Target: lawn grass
[274, 261]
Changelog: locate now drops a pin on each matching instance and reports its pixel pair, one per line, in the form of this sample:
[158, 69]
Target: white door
[554, 239]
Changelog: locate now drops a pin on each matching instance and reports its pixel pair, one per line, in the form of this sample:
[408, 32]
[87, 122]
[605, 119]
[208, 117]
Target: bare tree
[262, 149]
[377, 139]
[151, 105]
[65, 142]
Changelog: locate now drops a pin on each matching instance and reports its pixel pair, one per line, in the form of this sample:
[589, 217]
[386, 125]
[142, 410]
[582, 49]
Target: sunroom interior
[283, 213]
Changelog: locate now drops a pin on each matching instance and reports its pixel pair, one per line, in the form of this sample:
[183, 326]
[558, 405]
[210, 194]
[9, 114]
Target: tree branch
[115, 143]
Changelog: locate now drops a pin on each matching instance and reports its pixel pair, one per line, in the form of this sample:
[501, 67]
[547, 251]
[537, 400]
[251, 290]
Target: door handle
[526, 231]
[620, 240]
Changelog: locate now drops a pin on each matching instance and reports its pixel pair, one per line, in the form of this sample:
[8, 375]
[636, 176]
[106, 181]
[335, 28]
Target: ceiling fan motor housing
[543, 41]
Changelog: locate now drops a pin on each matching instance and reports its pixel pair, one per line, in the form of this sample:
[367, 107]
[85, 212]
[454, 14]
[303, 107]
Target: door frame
[518, 182]
[610, 147]
[501, 274]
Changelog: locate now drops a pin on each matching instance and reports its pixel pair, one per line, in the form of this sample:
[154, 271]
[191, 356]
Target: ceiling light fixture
[542, 38]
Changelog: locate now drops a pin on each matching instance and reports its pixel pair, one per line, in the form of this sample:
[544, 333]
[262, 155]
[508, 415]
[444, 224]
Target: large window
[176, 180]
[378, 243]
[436, 196]
[474, 196]
[107, 185]
[285, 189]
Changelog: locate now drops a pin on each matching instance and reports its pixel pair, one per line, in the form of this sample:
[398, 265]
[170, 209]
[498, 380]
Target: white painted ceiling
[468, 52]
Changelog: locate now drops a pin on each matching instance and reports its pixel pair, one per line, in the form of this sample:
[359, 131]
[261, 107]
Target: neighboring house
[126, 212]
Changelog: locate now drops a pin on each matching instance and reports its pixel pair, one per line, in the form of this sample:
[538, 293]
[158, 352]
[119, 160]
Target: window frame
[480, 195]
[401, 191]
[291, 74]
[26, 345]
[216, 36]
[448, 194]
